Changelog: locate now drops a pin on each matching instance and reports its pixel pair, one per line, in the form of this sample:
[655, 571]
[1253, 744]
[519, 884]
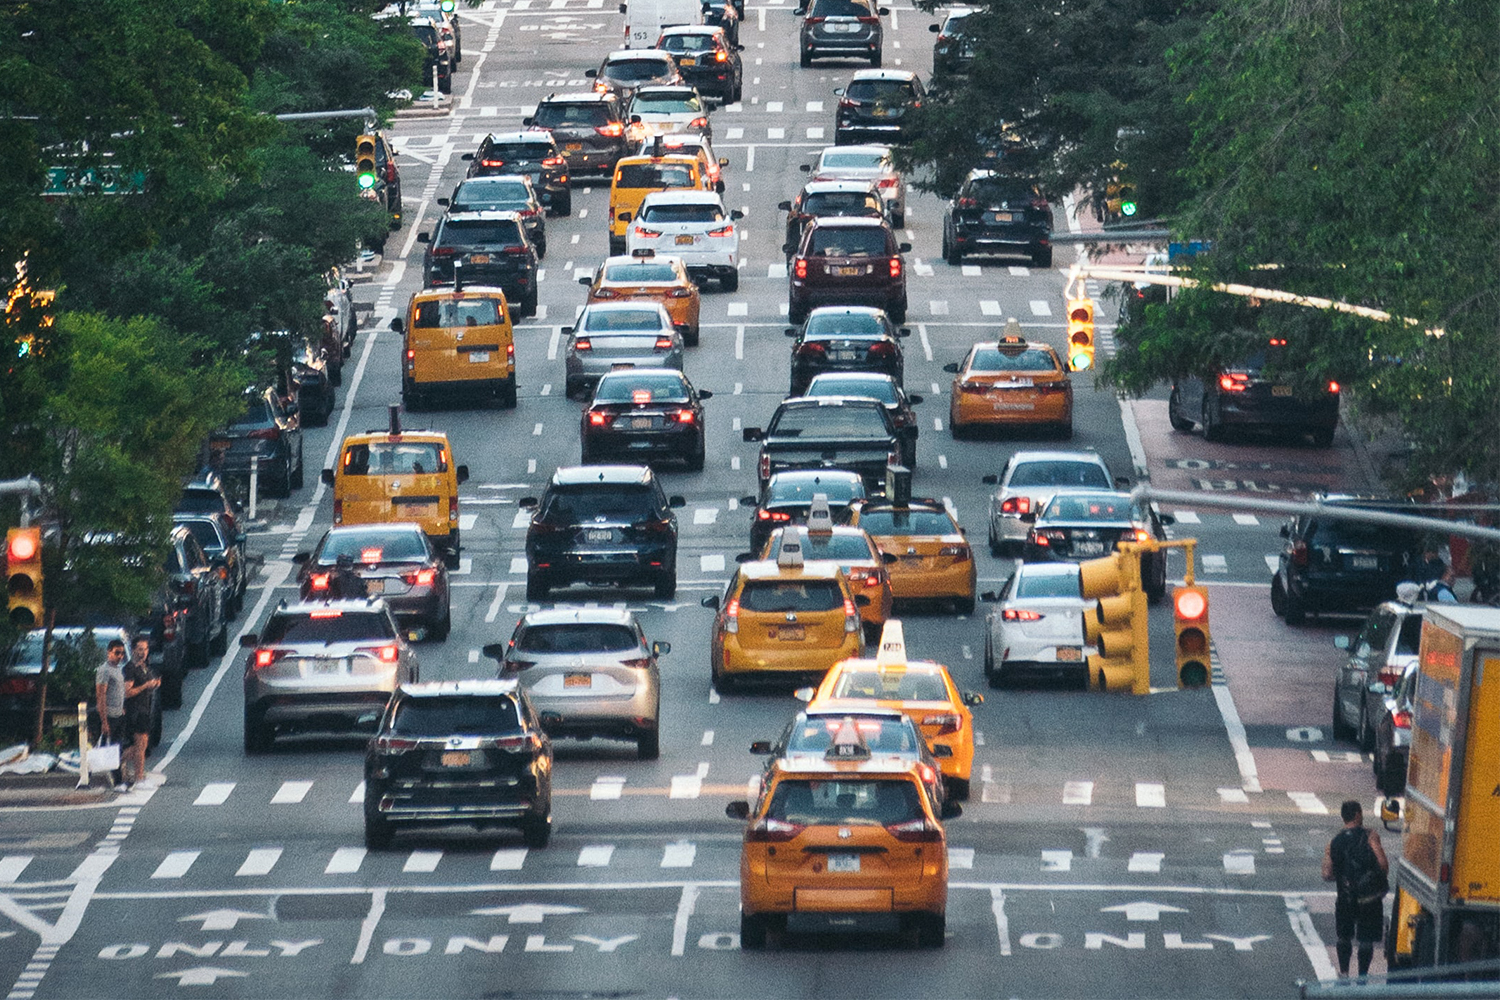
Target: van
[457, 342]
[637, 176]
[645, 19]
[392, 476]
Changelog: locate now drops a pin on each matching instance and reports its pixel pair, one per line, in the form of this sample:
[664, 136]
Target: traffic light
[364, 162]
[1190, 617]
[1128, 205]
[1080, 334]
[23, 575]
[1116, 623]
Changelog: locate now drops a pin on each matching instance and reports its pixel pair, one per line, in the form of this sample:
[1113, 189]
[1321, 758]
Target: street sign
[67, 181]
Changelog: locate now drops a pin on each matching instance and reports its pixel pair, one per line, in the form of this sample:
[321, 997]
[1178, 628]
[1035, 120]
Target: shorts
[1364, 921]
[137, 720]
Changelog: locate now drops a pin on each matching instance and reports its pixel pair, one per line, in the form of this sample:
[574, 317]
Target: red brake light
[765, 466]
[1016, 505]
[614, 129]
[394, 743]
[648, 234]
[387, 654]
[721, 56]
[1234, 382]
[442, 251]
[640, 396]
[813, 347]
[725, 231]
[421, 577]
[887, 182]
[772, 515]
[583, 344]
[1021, 615]
[1299, 554]
[869, 20]
[1401, 719]
[318, 581]
[598, 419]
[264, 657]
[553, 161]
[895, 267]
[800, 267]
[685, 416]
[1333, 387]
[881, 350]
[663, 343]
[699, 122]
[492, 163]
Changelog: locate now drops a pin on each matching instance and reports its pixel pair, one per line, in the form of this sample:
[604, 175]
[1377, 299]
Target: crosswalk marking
[1228, 796]
[175, 865]
[606, 788]
[1308, 802]
[814, 105]
[291, 792]
[466, 522]
[1145, 861]
[1187, 517]
[260, 861]
[1020, 272]
[735, 133]
[1040, 307]
[12, 865]
[1149, 795]
[989, 307]
[739, 309]
[815, 132]
[776, 270]
[920, 269]
[773, 107]
[518, 564]
[521, 520]
[971, 270]
[1239, 863]
[775, 133]
[214, 793]
[960, 857]
[1248, 519]
[422, 861]
[508, 859]
[345, 861]
[705, 515]
[1078, 793]
[1057, 861]
[1214, 564]
[678, 855]
[596, 856]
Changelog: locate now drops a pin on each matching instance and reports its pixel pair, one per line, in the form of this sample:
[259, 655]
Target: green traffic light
[1127, 208]
[447, 6]
[366, 181]
[1080, 361]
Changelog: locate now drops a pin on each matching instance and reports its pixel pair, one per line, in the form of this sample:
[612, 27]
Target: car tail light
[684, 416]
[663, 343]
[947, 722]
[958, 552]
[338, 512]
[816, 20]
[519, 664]
[799, 268]
[973, 388]
[771, 831]
[387, 654]
[598, 419]
[765, 466]
[511, 743]
[869, 20]
[394, 743]
[721, 56]
[515, 250]
[1047, 388]
[1401, 718]
[510, 352]
[443, 251]
[647, 234]
[881, 350]
[1021, 615]
[895, 267]
[732, 616]
[662, 527]
[1333, 387]
[813, 347]
[887, 182]
[929, 776]
[700, 122]
[680, 293]
[1047, 537]
[600, 87]
[614, 129]
[421, 577]
[1234, 382]
[453, 509]
[893, 457]
[851, 615]
[916, 831]
[265, 434]
[264, 658]
[772, 515]
[967, 203]
[1389, 676]
[223, 572]
[1299, 554]
[723, 231]
[1016, 505]
[529, 213]
[411, 360]
[1142, 535]
[554, 161]
[639, 663]
[583, 344]
[492, 163]
[845, 102]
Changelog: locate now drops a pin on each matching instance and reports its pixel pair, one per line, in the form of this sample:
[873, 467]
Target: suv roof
[905, 75]
[580, 616]
[845, 186]
[581, 97]
[681, 197]
[313, 607]
[624, 475]
[693, 29]
[481, 216]
[847, 221]
[534, 137]
[480, 688]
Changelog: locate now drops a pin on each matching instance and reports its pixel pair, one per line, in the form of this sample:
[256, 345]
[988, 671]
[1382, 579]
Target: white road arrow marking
[222, 920]
[202, 976]
[1143, 910]
[526, 913]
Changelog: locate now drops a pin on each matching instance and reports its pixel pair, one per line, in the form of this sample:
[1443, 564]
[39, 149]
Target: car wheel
[336, 374]
[806, 59]
[952, 254]
[1278, 598]
[294, 478]
[932, 930]
[1392, 774]
[536, 831]
[378, 833]
[958, 789]
[666, 584]
[722, 683]
[731, 281]
[439, 632]
[1366, 734]
[796, 314]
[1065, 430]
[690, 339]
[196, 654]
[1212, 429]
[1341, 729]
[964, 605]
[648, 746]
[616, 245]
[508, 395]
[445, 84]
[171, 690]
[695, 461]
[563, 205]
[529, 303]
[258, 736]
[153, 736]
[753, 927]
[1323, 438]
[541, 250]
[1042, 258]
[537, 588]
[219, 644]
[875, 61]
[1179, 423]
[1296, 610]
[897, 312]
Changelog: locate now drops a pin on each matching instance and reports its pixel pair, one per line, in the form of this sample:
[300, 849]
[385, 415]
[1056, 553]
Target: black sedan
[881, 387]
[642, 413]
[396, 562]
[846, 339]
[1077, 526]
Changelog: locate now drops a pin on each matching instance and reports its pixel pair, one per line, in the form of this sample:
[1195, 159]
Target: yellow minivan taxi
[387, 477]
[457, 342]
[637, 176]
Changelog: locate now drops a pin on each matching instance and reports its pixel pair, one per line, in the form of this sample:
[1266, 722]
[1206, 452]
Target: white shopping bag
[105, 758]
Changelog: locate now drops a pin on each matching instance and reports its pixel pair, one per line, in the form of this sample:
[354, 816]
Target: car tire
[1212, 429]
[378, 833]
[1065, 431]
[171, 690]
[1341, 729]
[1365, 732]
[294, 478]
[796, 315]
[958, 789]
[536, 831]
[697, 459]
[1042, 258]
[541, 249]
[1296, 610]
[964, 605]
[1179, 423]
[951, 253]
[153, 737]
[259, 737]
[753, 932]
[875, 61]
[898, 219]
[648, 746]
[219, 644]
[616, 245]
[529, 303]
[195, 654]
[537, 588]
[897, 312]
[1392, 774]
[1323, 438]
[445, 84]
[564, 204]
[722, 683]
[1278, 598]
[508, 394]
[666, 584]
[932, 930]
[691, 339]
[439, 632]
[336, 373]
[806, 59]
[731, 281]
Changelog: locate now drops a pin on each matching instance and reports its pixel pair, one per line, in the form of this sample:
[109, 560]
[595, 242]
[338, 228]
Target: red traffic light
[23, 546]
[1190, 605]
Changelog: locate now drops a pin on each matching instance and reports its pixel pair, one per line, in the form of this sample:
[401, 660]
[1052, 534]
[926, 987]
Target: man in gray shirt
[109, 690]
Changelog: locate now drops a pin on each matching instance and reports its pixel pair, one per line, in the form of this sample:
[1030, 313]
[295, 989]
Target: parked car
[1379, 656]
[225, 549]
[1332, 565]
[953, 49]
[270, 431]
[196, 584]
[1246, 396]
[1393, 734]
[77, 650]
[206, 493]
[438, 50]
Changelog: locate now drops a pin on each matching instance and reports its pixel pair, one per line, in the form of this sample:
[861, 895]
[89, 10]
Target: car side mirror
[903, 331]
[739, 48]
[761, 747]
[660, 648]
[934, 28]
[990, 480]
[806, 168]
[883, 11]
[861, 601]
[585, 282]
[790, 331]
[623, 217]
[744, 557]
[804, 694]
[398, 325]
[799, 11]
[527, 503]
[783, 206]
[838, 91]
[739, 809]
[942, 750]
[675, 501]
[1390, 813]
[528, 121]
[249, 640]
[723, 161]
[914, 399]
[463, 473]
[494, 650]
[951, 368]
[711, 602]
[989, 597]
[466, 156]
[591, 73]
[752, 434]
[328, 476]
[300, 558]
[889, 558]
[736, 215]
[973, 698]
[1166, 519]
[1029, 517]
[568, 330]
[788, 248]
[749, 501]
[904, 247]
[952, 810]
[424, 237]
[705, 394]
[1341, 642]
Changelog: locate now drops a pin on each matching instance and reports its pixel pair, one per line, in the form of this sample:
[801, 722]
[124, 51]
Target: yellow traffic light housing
[23, 575]
[364, 162]
[1080, 334]
[1116, 624]
[1190, 619]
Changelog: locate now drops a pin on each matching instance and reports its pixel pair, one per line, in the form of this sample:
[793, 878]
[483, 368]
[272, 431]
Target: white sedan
[1036, 627]
[693, 225]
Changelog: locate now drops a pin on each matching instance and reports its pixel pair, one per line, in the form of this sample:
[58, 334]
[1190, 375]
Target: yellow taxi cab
[1010, 382]
[457, 342]
[862, 563]
[933, 557]
[637, 176]
[921, 689]
[645, 277]
[396, 475]
[790, 617]
[848, 834]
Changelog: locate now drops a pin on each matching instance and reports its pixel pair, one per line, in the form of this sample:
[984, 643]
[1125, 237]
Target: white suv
[693, 225]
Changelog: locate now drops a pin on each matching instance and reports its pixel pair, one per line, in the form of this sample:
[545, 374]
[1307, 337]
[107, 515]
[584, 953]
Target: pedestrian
[1355, 861]
[109, 696]
[1440, 591]
[140, 681]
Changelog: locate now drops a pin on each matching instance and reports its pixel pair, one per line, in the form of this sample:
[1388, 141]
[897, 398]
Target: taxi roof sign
[819, 516]
[1013, 330]
[790, 556]
[848, 743]
[892, 651]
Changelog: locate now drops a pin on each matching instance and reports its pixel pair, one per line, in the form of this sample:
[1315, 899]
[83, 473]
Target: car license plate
[847, 272]
[1088, 548]
[375, 586]
[1017, 383]
[641, 423]
[578, 680]
[479, 258]
[689, 61]
[840, 29]
[330, 666]
[1004, 217]
[1000, 407]
[574, 147]
[455, 758]
[841, 356]
[1067, 654]
[843, 862]
[600, 535]
[685, 240]
[1366, 562]
[789, 633]
[478, 357]
[1281, 390]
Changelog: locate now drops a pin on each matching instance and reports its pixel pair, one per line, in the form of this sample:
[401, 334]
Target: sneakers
[124, 787]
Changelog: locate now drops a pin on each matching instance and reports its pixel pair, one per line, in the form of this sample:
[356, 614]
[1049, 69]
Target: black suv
[270, 430]
[841, 29]
[996, 214]
[458, 752]
[876, 107]
[845, 339]
[1327, 564]
[535, 154]
[439, 55]
[1242, 397]
[590, 129]
[707, 59]
[602, 524]
[490, 247]
[953, 49]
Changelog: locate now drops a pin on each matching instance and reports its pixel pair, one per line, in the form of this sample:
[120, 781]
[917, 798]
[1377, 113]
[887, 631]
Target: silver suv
[324, 667]
[1378, 658]
[841, 29]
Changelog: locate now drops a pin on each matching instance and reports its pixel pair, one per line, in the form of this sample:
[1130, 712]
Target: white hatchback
[693, 225]
[1037, 625]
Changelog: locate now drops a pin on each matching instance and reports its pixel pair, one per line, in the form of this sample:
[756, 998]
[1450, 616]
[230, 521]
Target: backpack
[1359, 874]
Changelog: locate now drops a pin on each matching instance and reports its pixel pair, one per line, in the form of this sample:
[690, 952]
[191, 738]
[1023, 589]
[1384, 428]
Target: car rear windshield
[838, 8]
[468, 311]
[637, 69]
[682, 213]
[791, 489]
[881, 735]
[456, 715]
[1026, 359]
[257, 414]
[578, 637]
[326, 627]
[640, 273]
[864, 160]
[848, 802]
[370, 547]
[665, 104]
[866, 241]
[512, 151]
[1356, 535]
[591, 501]
[1049, 585]
[485, 201]
[777, 596]
[556, 114]
[1059, 474]
[636, 388]
[200, 501]
[395, 458]
[480, 232]
[206, 532]
[1069, 507]
[996, 193]
[893, 91]
[654, 175]
[621, 320]
[831, 422]
[824, 324]
[891, 685]
[686, 43]
[880, 389]
[907, 522]
[838, 548]
[837, 203]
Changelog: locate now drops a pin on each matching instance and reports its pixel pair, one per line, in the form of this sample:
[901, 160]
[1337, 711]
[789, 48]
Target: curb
[442, 110]
[51, 789]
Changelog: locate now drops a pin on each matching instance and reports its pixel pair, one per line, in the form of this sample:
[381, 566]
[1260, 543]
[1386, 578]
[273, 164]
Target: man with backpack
[1355, 861]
